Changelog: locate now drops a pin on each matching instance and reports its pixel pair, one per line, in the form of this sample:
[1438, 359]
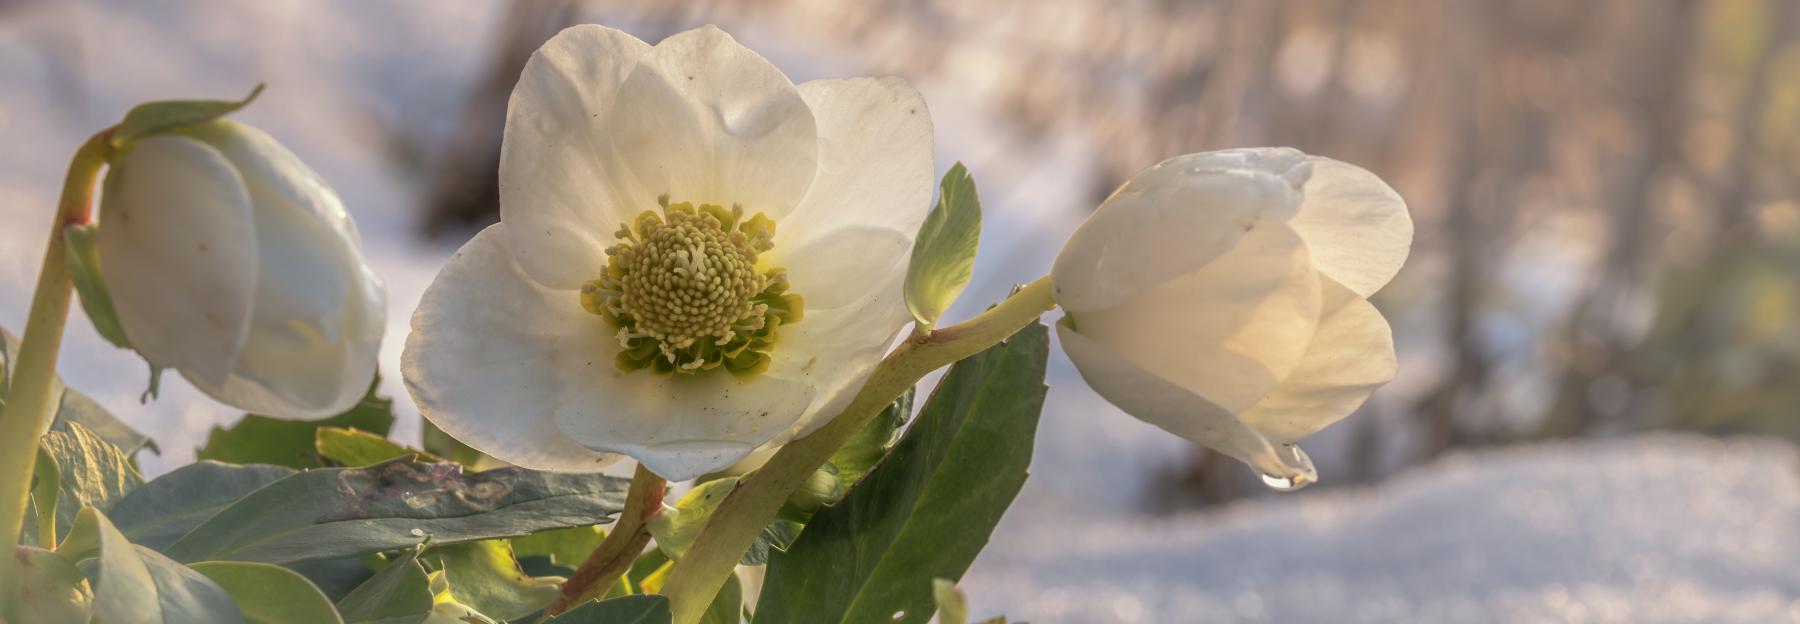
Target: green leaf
[270, 594]
[952, 605]
[74, 406]
[675, 528]
[152, 118]
[398, 593]
[943, 255]
[728, 606]
[356, 448]
[84, 271]
[621, 610]
[50, 589]
[293, 443]
[565, 547]
[91, 472]
[166, 508]
[928, 509]
[135, 584]
[644, 568]
[336, 512]
[867, 447]
[46, 488]
[484, 576]
[778, 535]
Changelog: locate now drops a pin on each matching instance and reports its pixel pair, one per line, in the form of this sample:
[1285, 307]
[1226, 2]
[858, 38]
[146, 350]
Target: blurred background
[1599, 327]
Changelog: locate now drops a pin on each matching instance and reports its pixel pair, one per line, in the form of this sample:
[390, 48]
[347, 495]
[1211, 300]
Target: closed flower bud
[229, 260]
[1223, 296]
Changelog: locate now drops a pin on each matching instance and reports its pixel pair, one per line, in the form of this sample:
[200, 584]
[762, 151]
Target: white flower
[1222, 297]
[231, 261]
[696, 257]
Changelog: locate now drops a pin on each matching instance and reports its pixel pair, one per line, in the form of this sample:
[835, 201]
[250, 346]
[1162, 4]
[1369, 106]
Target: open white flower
[231, 261]
[1223, 296]
[696, 257]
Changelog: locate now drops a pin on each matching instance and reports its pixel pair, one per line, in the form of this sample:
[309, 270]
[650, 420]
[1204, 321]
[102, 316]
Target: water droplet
[1302, 466]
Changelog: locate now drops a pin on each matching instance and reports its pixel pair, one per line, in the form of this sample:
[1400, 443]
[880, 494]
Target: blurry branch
[466, 191]
[1596, 336]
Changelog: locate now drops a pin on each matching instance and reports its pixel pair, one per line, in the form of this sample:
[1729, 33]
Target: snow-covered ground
[1669, 529]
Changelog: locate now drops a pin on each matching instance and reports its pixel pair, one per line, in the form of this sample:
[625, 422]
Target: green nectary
[685, 293]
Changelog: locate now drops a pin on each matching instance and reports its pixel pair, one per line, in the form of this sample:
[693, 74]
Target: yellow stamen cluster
[683, 290]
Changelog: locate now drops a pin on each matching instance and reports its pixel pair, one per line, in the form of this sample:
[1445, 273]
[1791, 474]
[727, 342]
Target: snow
[1658, 528]
[1654, 529]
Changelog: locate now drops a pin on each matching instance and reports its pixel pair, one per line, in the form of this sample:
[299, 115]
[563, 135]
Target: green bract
[943, 255]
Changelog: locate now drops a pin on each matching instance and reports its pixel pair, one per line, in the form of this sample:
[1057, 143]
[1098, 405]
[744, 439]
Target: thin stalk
[622, 546]
[750, 506]
[31, 402]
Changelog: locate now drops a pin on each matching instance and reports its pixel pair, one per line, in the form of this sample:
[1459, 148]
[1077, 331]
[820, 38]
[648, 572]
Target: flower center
[683, 290]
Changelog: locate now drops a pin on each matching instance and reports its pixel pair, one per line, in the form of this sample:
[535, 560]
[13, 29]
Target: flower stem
[31, 402]
[757, 498]
[621, 547]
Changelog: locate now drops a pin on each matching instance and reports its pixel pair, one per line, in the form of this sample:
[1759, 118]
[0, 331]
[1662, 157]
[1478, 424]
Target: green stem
[621, 547]
[750, 506]
[31, 403]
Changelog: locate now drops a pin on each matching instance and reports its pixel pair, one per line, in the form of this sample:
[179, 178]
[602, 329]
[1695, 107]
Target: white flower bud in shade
[232, 262]
[1222, 296]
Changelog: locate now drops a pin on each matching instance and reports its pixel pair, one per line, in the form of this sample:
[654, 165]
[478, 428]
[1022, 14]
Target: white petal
[562, 192]
[493, 356]
[178, 253]
[1159, 402]
[855, 306]
[320, 310]
[1172, 218]
[683, 426]
[1355, 224]
[706, 120]
[1229, 331]
[1351, 355]
[875, 158]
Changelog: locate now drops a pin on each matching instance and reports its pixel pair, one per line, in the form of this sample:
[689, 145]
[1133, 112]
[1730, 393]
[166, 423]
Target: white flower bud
[231, 261]
[1222, 297]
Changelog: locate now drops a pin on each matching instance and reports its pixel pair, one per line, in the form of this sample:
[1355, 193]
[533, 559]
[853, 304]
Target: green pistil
[683, 290]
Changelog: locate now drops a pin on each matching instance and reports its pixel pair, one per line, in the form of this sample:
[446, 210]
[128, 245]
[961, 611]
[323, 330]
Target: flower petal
[704, 119]
[1229, 331]
[178, 253]
[493, 356]
[1351, 355]
[1356, 226]
[855, 305]
[681, 426]
[562, 191]
[875, 158]
[320, 310]
[1157, 401]
[1172, 218]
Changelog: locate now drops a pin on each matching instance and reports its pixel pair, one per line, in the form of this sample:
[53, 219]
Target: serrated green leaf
[161, 511]
[356, 448]
[952, 605]
[74, 406]
[336, 512]
[84, 271]
[270, 594]
[136, 584]
[293, 443]
[152, 118]
[778, 535]
[926, 510]
[90, 472]
[50, 589]
[486, 577]
[621, 610]
[399, 593]
[854, 459]
[565, 547]
[943, 255]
